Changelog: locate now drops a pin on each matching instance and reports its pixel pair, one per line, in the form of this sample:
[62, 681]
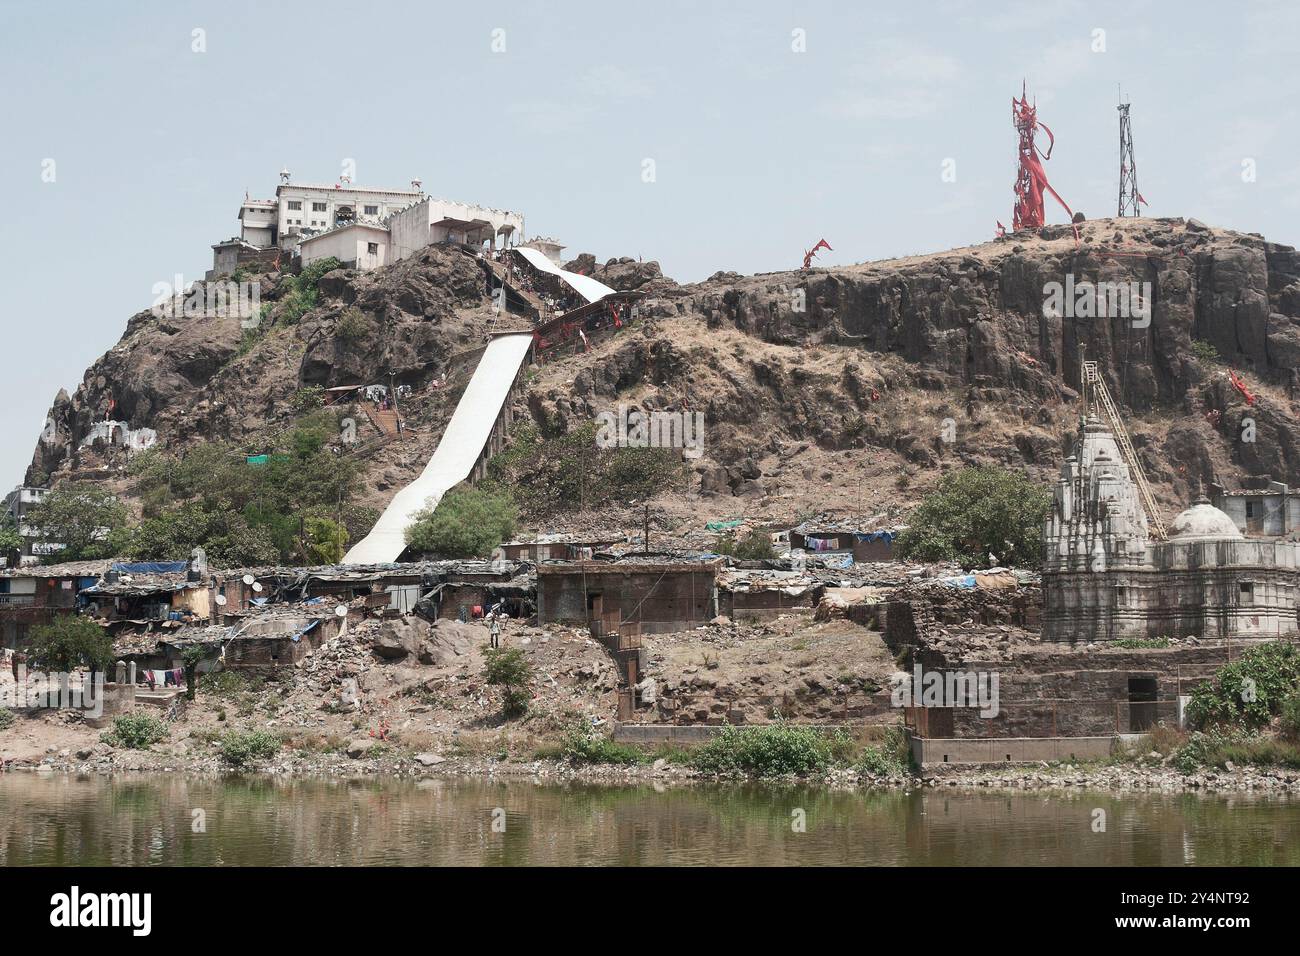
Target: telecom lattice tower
[1129, 197]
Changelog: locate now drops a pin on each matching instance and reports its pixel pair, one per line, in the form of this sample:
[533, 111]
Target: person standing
[495, 630]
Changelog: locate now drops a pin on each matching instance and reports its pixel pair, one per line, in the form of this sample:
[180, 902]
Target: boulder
[400, 638]
[448, 641]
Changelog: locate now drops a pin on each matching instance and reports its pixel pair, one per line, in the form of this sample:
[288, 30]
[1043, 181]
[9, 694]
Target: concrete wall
[929, 752]
[412, 228]
[765, 603]
[267, 647]
[350, 246]
[118, 699]
[1273, 512]
[660, 601]
[293, 221]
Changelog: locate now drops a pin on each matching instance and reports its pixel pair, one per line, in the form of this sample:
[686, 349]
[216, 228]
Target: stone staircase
[502, 275]
[385, 419]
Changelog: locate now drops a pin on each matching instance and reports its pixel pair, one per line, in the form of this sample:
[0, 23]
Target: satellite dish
[257, 586]
[341, 610]
[221, 600]
[248, 579]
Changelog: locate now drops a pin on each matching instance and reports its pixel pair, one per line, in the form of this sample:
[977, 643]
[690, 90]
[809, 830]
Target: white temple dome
[1203, 521]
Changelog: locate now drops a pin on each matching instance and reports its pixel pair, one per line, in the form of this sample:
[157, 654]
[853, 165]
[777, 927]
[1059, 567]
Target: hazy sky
[758, 150]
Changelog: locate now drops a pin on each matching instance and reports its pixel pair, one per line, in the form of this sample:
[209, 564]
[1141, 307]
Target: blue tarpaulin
[298, 635]
[150, 567]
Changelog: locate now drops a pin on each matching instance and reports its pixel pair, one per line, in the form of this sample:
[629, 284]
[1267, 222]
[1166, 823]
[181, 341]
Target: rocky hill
[833, 389]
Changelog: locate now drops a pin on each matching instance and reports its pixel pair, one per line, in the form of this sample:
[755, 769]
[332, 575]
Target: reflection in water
[148, 820]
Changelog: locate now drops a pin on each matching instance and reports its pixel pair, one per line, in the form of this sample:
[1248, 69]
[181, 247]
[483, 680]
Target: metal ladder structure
[1095, 394]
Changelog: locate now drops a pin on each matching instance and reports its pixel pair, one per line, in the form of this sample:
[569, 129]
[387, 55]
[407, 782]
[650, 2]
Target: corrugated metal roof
[70, 569]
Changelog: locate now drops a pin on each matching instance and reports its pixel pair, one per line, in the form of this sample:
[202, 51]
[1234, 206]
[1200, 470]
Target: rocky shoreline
[1113, 778]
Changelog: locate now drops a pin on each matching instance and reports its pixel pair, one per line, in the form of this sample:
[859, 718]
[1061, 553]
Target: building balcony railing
[17, 599]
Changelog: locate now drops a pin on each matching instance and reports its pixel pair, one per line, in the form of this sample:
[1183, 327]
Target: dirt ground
[790, 666]
[746, 672]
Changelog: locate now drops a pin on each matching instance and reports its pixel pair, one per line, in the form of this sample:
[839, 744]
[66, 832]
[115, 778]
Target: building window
[1247, 592]
[295, 204]
[372, 248]
[1121, 597]
[318, 207]
[372, 210]
[1250, 509]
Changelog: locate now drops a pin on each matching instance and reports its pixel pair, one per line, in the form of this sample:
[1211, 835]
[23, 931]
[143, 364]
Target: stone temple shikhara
[1107, 576]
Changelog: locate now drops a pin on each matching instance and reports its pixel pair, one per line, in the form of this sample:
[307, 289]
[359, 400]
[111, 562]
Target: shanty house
[766, 593]
[658, 592]
[146, 592]
[864, 546]
[34, 595]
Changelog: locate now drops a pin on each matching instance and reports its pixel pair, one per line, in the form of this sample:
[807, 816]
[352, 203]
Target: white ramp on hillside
[585, 286]
[466, 435]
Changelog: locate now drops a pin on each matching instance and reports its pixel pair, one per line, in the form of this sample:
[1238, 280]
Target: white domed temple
[1106, 577]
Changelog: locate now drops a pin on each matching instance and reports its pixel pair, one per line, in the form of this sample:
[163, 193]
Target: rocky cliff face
[851, 387]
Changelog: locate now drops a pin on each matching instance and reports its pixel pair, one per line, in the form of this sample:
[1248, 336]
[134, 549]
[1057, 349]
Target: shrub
[509, 670]
[583, 744]
[769, 751]
[307, 399]
[240, 748]
[892, 758]
[136, 731]
[226, 684]
[1138, 643]
[354, 326]
[1290, 722]
[1204, 351]
[1248, 692]
[1219, 747]
[756, 547]
[467, 523]
[301, 294]
[6, 718]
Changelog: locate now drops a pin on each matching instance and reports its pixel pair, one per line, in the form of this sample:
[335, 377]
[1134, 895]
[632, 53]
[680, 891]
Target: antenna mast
[1129, 197]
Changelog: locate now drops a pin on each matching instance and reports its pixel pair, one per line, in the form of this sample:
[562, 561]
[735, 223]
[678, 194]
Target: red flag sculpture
[808, 255]
[1031, 179]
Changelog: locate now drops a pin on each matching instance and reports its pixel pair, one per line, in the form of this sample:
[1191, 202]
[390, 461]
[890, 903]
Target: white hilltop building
[362, 227]
[1105, 577]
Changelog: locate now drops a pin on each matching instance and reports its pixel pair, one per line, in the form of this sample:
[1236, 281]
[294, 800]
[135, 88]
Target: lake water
[151, 820]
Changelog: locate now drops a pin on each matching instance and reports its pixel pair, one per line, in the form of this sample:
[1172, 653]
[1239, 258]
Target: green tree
[325, 541]
[11, 542]
[191, 657]
[467, 523]
[69, 642]
[509, 670]
[225, 536]
[88, 521]
[210, 496]
[976, 512]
